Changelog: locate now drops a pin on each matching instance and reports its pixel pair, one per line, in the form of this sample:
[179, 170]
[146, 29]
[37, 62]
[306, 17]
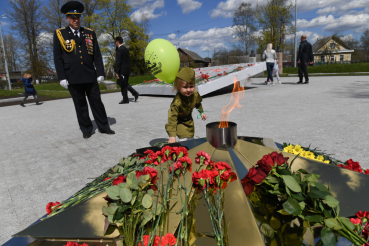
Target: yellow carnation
[320, 158]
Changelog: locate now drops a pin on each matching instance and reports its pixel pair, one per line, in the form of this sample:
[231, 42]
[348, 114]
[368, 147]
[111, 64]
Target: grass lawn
[54, 90]
[333, 68]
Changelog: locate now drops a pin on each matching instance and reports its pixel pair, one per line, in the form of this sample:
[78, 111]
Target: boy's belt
[187, 118]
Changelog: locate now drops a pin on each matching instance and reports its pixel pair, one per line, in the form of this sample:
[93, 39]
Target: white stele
[219, 82]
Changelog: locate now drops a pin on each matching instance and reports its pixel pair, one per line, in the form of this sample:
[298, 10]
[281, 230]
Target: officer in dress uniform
[76, 55]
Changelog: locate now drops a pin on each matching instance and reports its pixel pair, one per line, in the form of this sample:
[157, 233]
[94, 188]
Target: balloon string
[201, 112]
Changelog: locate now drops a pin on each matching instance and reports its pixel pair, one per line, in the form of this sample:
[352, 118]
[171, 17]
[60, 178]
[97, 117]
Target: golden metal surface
[348, 187]
[84, 220]
[238, 214]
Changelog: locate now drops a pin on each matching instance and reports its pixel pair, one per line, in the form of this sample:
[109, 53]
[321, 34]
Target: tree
[89, 14]
[364, 40]
[221, 54]
[244, 24]
[115, 21]
[274, 19]
[51, 12]
[136, 43]
[26, 18]
[12, 47]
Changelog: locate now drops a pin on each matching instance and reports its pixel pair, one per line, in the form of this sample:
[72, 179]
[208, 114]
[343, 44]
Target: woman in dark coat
[29, 89]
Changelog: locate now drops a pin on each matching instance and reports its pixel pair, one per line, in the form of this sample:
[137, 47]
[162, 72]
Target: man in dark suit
[122, 70]
[76, 55]
[305, 56]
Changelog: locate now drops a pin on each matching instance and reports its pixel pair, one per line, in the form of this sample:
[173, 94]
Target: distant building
[331, 49]
[186, 57]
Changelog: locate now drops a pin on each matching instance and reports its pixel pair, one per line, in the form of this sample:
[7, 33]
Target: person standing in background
[29, 89]
[270, 56]
[122, 70]
[305, 56]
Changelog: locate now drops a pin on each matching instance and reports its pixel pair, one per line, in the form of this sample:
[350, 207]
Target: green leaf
[288, 190]
[113, 192]
[133, 200]
[318, 194]
[320, 186]
[123, 185]
[328, 237]
[147, 201]
[272, 179]
[331, 201]
[347, 223]
[143, 179]
[292, 206]
[291, 183]
[303, 171]
[267, 230]
[147, 215]
[311, 177]
[314, 218]
[283, 171]
[283, 212]
[333, 224]
[275, 223]
[328, 213]
[125, 195]
[111, 218]
[302, 205]
[132, 180]
[150, 192]
[133, 161]
[298, 197]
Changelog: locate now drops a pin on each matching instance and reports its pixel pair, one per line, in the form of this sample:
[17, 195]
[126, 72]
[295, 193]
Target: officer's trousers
[92, 91]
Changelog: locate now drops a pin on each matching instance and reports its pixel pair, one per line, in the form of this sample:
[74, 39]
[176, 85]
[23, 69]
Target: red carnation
[119, 179]
[171, 239]
[166, 150]
[49, 206]
[148, 152]
[188, 161]
[355, 221]
[148, 170]
[198, 180]
[203, 154]
[366, 171]
[107, 178]
[222, 165]
[362, 214]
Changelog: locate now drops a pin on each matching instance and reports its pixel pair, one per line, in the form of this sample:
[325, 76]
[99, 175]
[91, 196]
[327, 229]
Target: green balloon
[162, 59]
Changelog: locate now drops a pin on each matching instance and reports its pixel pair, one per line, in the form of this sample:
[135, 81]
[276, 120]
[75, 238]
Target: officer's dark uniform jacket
[78, 66]
[122, 66]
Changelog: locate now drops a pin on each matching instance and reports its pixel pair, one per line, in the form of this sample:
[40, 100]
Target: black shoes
[22, 105]
[300, 82]
[87, 135]
[306, 82]
[123, 102]
[38, 103]
[109, 131]
[136, 96]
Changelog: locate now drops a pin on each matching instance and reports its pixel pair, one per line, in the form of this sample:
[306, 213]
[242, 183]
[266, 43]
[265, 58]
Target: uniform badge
[67, 41]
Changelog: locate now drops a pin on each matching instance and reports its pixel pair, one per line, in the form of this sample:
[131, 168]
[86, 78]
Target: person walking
[78, 63]
[29, 89]
[304, 57]
[270, 56]
[122, 70]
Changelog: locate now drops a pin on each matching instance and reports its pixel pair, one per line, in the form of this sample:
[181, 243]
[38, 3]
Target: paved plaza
[45, 159]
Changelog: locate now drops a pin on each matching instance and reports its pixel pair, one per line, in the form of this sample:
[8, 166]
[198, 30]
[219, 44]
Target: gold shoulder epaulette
[61, 28]
[88, 29]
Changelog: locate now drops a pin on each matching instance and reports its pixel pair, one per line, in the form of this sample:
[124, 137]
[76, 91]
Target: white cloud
[45, 38]
[172, 36]
[319, 21]
[4, 23]
[347, 37]
[344, 6]
[150, 34]
[139, 3]
[148, 10]
[310, 36]
[226, 9]
[189, 5]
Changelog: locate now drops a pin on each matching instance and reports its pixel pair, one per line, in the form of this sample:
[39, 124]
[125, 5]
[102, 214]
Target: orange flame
[236, 95]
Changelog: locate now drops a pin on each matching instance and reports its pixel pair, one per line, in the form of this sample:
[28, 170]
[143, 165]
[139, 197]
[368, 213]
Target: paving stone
[45, 158]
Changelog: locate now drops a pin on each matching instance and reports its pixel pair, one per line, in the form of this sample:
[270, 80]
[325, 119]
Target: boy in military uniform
[76, 55]
[180, 121]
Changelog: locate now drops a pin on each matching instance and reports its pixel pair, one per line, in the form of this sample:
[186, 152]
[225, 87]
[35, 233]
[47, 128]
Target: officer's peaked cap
[72, 8]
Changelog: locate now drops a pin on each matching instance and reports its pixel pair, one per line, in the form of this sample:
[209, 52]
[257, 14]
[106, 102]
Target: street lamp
[6, 64]
[295, 48]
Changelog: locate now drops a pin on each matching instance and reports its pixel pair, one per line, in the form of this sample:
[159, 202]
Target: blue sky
[205, 24]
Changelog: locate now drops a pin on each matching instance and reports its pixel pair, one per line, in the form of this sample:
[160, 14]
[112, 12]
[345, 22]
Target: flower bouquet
[287, 203]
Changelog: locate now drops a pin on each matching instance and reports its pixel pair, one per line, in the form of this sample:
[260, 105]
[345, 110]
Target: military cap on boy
[72, 8]
[187, 74]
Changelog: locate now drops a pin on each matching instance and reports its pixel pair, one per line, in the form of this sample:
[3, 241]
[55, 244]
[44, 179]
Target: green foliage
[287, 197]
[274, 18]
